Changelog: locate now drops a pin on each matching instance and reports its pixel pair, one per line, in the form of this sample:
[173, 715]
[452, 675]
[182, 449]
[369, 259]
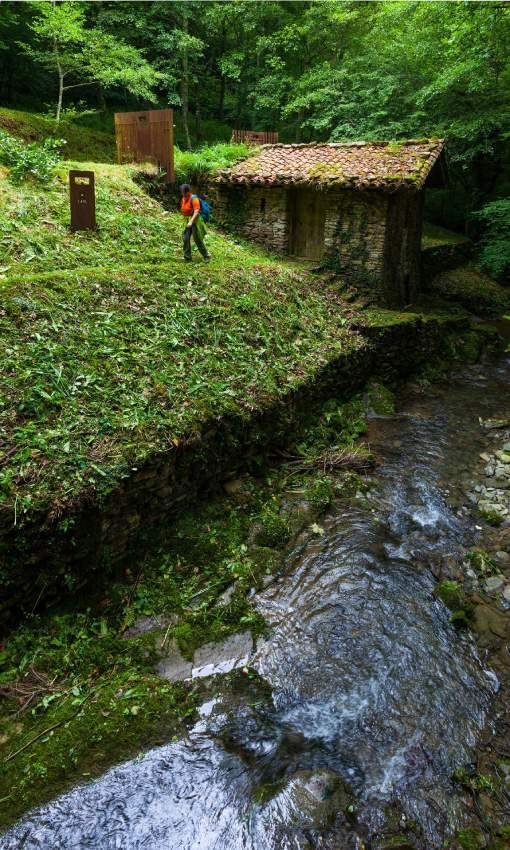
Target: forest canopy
[323, 70]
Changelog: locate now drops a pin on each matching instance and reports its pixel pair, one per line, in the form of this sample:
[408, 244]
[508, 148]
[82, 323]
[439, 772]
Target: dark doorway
[307, 217]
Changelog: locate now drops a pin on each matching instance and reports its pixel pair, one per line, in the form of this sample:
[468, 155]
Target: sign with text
[82, 195]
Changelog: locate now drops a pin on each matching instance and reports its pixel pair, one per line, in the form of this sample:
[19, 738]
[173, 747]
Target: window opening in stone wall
[262, 206]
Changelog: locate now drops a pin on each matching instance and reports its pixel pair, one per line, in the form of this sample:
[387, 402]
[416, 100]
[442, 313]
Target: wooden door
[308, 215]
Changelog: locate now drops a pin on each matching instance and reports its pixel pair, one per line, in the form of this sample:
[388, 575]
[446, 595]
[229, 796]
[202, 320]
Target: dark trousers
[186, 240]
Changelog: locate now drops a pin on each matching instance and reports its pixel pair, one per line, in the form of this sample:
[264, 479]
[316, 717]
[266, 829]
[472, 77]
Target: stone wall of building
[371, 237]
[354, 233]
[259, 214]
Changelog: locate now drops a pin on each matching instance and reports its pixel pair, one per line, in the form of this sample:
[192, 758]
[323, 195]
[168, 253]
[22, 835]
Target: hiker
[190, 207]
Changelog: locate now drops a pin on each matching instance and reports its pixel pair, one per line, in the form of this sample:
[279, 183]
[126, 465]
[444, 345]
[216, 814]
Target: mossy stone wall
[355, 232]
[258, 214]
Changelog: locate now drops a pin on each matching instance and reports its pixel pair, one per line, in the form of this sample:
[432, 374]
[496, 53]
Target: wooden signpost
[255, 137]
[146, 137]
[83, 200]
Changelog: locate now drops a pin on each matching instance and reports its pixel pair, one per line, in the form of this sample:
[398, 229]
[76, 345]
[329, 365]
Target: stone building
[356, 207]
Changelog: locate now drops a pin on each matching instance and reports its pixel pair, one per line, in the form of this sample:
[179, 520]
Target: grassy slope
[82, 143]
[113, 347]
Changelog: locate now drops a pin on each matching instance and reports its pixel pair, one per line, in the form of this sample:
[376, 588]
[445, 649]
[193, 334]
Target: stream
[376, 698]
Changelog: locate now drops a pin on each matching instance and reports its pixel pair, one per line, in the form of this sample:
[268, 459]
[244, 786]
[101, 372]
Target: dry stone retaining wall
[40, 559]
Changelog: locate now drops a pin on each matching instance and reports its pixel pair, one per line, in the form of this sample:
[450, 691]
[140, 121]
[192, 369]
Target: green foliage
[470, 839]
[35, 160]
[483, 563]
[495, 246]
[63, 44]
[491, 516]
[90, 407]
[195, 166]
[451, 593]
[82, 143]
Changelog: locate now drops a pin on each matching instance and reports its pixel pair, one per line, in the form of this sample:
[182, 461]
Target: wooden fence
[254, 137]
[146, 137]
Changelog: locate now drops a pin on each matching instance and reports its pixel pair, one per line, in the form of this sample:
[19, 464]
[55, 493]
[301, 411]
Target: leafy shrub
[34, 159]
[495, 247]
[195, 166]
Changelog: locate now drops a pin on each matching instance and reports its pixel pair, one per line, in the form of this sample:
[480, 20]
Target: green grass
[113, 347]
[83, 143]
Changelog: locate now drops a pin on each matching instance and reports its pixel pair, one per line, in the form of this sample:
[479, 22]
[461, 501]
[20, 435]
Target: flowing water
[376, 699]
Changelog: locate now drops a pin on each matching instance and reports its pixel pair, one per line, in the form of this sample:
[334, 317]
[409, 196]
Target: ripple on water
[371, 684]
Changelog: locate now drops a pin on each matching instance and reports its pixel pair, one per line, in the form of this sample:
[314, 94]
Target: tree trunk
[100, 98]
[221, 107]
[60, 92]
[300, 117]
[185, 85]
[198, 123]
[60, 79]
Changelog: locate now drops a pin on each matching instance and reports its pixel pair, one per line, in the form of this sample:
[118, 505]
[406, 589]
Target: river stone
[493, 583]
[502, 558]
[224, 656]
[317, 795]
[506, 593]
[494, 424]
[489, 620]
[506, 447]
[173, 666]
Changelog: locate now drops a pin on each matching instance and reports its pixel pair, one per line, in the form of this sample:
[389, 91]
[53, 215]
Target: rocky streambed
[376, 713]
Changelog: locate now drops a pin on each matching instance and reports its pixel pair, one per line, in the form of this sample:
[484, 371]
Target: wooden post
[82, 195]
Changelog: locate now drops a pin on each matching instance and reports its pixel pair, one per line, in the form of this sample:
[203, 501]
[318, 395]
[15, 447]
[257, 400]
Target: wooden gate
[255, 137]
[146, 137]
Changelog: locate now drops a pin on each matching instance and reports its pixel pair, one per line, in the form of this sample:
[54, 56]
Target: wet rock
[317, 795]
[222, 657]
[503, 558]
[173, 666]
[487, 619]
[226, 597]
[493, 583]
[506, 593]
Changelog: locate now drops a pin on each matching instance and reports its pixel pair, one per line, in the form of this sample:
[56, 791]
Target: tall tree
[88, 56]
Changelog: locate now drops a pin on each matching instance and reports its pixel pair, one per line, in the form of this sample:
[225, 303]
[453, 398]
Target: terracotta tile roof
[356, 165]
